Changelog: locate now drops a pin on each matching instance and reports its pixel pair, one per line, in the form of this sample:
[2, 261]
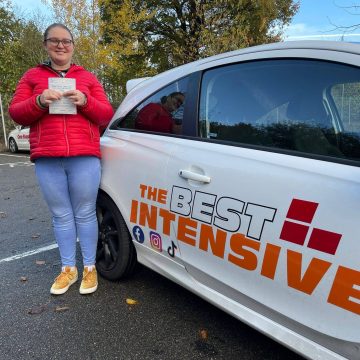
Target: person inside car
[159, 116]
[64, 122]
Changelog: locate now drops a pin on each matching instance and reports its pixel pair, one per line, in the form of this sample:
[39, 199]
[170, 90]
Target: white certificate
[64, 105]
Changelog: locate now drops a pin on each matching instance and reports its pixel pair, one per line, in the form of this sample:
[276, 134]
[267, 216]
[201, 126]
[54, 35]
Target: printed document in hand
[64, 105]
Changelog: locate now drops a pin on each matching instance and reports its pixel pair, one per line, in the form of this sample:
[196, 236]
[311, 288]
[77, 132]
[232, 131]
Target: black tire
[13, 148]
[116, 254]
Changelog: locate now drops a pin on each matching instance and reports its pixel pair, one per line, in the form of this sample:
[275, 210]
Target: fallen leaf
[23, 278]
[37, 310]
[2, 214]
[131, 301]
[32, 218]
[203, 334]
[40, 262]
[35, 236]
[62, 308]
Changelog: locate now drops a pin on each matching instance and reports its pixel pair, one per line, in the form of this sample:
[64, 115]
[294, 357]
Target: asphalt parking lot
[166, 322]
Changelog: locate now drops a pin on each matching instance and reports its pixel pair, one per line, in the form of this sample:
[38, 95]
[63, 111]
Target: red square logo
[295, 233]
[325, 241]
[302, 210]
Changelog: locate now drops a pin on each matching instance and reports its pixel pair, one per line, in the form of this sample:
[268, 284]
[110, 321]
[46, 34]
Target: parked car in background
[238, 177]
[18, 139]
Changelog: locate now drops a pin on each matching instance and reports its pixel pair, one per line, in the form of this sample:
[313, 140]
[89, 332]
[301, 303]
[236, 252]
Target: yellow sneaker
[89, 282]
[62, 283]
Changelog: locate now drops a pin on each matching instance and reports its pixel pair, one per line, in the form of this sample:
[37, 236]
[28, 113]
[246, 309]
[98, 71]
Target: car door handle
[186, 174]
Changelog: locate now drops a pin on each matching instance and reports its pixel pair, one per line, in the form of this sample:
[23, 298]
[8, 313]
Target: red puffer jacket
[53, 135]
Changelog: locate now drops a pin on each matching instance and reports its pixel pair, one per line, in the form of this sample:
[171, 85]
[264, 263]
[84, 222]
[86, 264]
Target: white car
[18, 139]
[250, 198]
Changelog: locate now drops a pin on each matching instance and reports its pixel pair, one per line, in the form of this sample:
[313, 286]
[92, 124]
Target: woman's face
[59, 54]
[174, 102]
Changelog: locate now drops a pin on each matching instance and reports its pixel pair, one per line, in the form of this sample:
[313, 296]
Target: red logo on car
[296, 227]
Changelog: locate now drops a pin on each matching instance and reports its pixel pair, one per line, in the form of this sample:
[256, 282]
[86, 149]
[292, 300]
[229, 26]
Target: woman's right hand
[48, 96]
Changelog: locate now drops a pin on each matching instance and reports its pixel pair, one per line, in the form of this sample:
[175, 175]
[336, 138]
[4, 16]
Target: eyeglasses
[56, 42]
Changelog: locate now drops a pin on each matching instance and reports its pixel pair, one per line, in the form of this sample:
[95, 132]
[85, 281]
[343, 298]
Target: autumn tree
[20, 44]
[122, 34]
[82, 18]
[123, 39]
[20, 49]
[104, 58]
[178, 31]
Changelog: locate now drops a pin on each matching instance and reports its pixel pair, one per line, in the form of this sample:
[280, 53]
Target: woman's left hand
[76, 97]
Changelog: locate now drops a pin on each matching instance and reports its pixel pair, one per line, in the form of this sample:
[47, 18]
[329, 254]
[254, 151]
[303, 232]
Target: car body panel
[129, 194]
[246, 251]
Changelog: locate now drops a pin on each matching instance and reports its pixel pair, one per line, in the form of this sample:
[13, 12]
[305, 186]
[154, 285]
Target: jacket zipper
[66, 138]
[38, 130]
[91, 131]
[64, 121]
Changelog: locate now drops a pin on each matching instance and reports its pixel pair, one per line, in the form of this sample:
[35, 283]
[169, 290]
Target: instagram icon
[155, 241]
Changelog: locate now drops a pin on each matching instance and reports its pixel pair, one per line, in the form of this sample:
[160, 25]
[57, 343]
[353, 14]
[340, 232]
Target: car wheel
[12, 145]
[116, 254]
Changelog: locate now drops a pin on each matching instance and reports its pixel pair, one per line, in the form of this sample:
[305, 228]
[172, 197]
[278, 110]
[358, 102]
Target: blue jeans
[70, 186]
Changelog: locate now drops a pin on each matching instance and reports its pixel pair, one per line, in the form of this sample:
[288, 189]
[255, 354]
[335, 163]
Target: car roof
[148, 86]
[348, 47]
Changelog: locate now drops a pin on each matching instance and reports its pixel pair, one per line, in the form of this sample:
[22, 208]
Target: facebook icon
[138, 234]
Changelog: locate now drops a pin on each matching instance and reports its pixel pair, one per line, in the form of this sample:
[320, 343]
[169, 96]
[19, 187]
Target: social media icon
[171, 249]
[155, 241]
[138, 234]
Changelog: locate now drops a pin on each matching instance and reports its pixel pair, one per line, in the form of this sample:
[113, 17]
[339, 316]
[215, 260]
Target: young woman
[65, 146]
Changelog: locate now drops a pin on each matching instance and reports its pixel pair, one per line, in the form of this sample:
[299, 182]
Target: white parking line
[29, 253]
[12, 155]
[19, 163]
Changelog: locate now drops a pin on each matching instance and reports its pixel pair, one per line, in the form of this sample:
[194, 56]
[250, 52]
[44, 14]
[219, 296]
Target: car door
[267, 198]
[136, 150]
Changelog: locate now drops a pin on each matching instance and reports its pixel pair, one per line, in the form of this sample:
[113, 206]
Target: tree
[9, 28]
[123, 39]
[179, 31]
[82, 18]
[19, 50]
[352, 9]
[122, 34]
[98, 56]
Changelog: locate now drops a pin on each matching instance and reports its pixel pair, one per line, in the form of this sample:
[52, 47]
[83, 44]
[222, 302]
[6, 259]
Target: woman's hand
[48, 96]
[76, 97]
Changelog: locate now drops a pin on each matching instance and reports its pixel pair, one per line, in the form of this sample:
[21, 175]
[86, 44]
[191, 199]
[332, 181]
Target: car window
[302, 105]
[162, 112]
[346, 97]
